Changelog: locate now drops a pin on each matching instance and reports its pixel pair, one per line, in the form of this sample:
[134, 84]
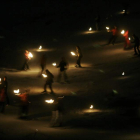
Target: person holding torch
[114, 35]
[27, 58]
[49, 81]
[79, 56]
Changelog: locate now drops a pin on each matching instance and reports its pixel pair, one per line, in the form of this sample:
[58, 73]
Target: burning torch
[44, 75]
[90, 29]
[73, 53]
[54, 64]
[122, 32]
[16, 92]
[107, 28]
[49, 101]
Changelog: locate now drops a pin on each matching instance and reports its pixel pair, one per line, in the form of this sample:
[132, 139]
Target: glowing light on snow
[49, 101]
[122, 32]
[54, 64]
[91, 106]
[72, 53]
[40, 47]
[129, 38]
[123, 73]
[44, 75]
[90, 29]
[30, 55]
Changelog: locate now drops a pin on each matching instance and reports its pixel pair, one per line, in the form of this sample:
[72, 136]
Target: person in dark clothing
[27, 58]
[114, 35]
[79, 56]
[2, 100]
[49, 81]
[136, 44]
[24, 104]
[57, 112]
[97, 20]
[5, 85]
[63, 65]
[42, 63]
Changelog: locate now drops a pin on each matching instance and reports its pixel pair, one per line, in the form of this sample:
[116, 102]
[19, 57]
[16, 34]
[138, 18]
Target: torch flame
[30, 54]
[16, 91]
[91, 106]
[54, 64]
[72, 53]
[107, 28]
[123, 73]
[122, 32]
[90, 29]
[44, 75]
[40, 47]
[49, 101]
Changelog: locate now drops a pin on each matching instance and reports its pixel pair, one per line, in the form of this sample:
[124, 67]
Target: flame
[40, 47]
[54, 64]
[91, 106]
[30, 54]
[129, 38]
[44, 75]
[90, 29]
[123, 73]
[122, 32]
[72, 53]
[0, 79]
[49, 101]
[107, 28]
[16, 91]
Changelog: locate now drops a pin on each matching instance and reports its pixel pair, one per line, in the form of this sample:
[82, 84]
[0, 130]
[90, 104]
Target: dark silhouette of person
[2, 100]
[63, 65]
[114, 35]
[97, 22]
[136, 44]
[24, 104]
[127, 41]
[49, 81]
[27, 58]
[5, 85]
[43, 63]
[79, 56]
[57, 112]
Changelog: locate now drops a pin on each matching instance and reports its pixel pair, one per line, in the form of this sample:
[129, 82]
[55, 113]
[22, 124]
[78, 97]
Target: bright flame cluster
[49, 101]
